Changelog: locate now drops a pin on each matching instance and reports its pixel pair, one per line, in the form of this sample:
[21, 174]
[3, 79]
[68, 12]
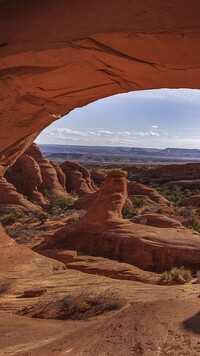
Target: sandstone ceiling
[59, 55]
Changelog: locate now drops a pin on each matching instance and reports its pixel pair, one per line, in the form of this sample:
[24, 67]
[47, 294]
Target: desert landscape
[95, 253]
[99, 247]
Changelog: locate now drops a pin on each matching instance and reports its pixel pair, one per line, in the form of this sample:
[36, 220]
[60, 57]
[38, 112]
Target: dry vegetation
[76, 306]
[176, 276]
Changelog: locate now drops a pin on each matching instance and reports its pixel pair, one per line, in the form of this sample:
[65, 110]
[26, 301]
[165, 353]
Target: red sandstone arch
[57, 55]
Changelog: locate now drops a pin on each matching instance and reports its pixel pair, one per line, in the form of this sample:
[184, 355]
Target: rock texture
[78, 179]
[32, 175]
[103, 232]
[158, 220]
[185, 184]
[10, 199]
[60, 174]
[193, 200]
[22, 261]
[98, 176]
[174, 172]
[137, 189]
[57, 56]
[50, 181]
[26, 177]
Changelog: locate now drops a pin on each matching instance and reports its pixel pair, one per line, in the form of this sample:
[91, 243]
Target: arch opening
[152, 119]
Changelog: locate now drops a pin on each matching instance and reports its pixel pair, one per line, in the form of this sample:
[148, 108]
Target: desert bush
[176, 276]
[187, 213]
[58, 204]
[138, 202]
[128, 212]
[173, 194]
[160, 211]
[5, 285]
[193, 224]
[73, 219]
[40, 215]
[198, 276]
[17, 231]
[47, 194]
[130, 176]
[12, 217]
[76, 306]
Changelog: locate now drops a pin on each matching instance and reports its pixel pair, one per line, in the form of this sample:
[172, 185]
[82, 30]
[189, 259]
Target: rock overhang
[55, 57]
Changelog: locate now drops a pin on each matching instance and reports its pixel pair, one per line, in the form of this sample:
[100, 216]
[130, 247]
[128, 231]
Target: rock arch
[55, 56]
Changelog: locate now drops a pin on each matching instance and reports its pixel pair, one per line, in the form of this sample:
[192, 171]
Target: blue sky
[150, 118]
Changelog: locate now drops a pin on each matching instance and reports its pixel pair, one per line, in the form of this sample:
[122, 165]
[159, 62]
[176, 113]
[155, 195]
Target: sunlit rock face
[56, 56]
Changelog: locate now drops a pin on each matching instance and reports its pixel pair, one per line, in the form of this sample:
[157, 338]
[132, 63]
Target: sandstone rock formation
[103, 232]
[138, 189]
[49, 65]
[55, 56]
[98, 176]
[10, 199]
[185, 184]
[50, 181]
[17, 261]
[193, 200]
[60, 174]
[78, 179]
[26, 177]
[32, 174]
[158, 220]
[174, 172]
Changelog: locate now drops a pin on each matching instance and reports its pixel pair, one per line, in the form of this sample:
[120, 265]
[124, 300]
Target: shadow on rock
[192, 324]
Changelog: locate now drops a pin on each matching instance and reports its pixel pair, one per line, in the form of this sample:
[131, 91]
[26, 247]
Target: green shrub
[73, 219]
[193, 224]
[130, 176]
[173, 193]
[47, 194]
[128, 212]
[12, 217]
[139, 202]
[40, 215]
[176, 276]
[17, 231]
[58, 204]
[188, 213]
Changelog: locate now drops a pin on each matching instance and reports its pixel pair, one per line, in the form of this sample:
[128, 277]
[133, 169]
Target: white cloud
[154, 127]
[152, 133]
[95, 137]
